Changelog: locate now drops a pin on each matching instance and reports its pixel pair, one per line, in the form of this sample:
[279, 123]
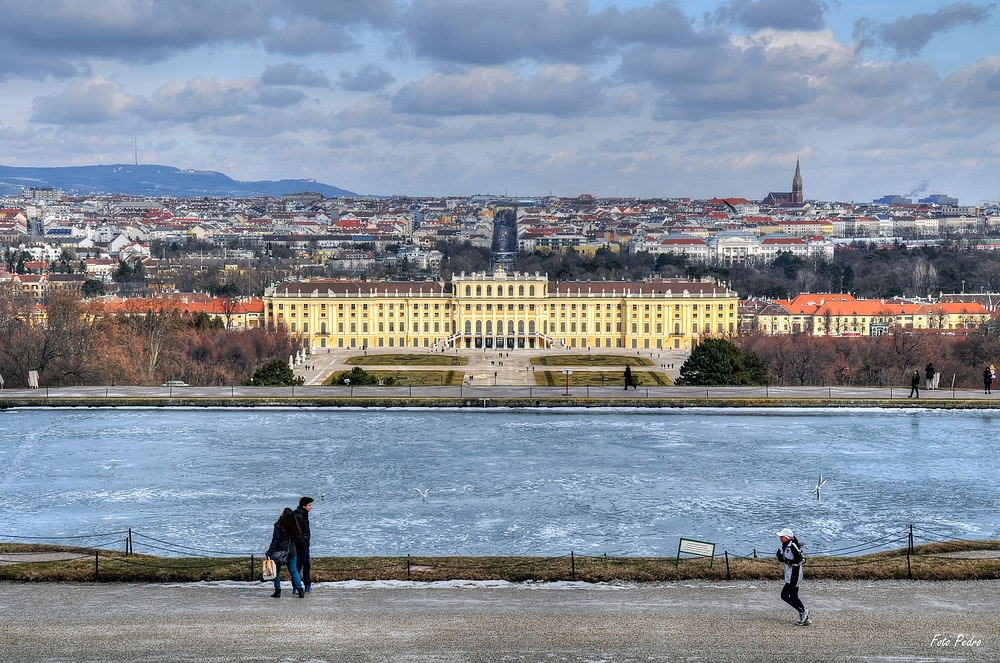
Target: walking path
[900, 621]
[488, 367]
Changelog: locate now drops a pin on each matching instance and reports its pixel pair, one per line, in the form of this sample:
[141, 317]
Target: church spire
[797, 184]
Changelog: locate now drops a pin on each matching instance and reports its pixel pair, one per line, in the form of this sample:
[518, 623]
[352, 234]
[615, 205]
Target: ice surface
[498, 482]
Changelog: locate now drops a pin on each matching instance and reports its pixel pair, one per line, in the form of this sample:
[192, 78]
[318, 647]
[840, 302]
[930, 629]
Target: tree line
[866, 361]
[80, 345]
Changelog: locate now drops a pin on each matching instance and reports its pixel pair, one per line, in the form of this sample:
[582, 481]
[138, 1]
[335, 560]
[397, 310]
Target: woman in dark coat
[282, 551]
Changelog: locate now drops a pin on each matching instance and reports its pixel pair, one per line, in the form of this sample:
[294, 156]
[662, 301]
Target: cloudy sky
[646, 98]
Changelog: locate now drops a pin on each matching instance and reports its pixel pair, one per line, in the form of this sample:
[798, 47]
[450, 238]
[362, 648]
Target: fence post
[572, 565]
[728, 575]
[407, 566]
[251, 565]
[97, 569]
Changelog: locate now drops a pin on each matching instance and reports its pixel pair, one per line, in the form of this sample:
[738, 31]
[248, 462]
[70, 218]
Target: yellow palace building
[502, 311]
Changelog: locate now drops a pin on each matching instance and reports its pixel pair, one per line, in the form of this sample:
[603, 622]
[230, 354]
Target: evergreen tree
[359, 376]
[718, 362]
[275, 373]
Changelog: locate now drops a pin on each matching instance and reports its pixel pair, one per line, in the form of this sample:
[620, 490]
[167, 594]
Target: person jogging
[791, 554]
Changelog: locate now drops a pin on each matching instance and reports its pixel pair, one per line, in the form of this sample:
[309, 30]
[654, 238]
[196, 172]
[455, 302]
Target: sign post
[699, 548]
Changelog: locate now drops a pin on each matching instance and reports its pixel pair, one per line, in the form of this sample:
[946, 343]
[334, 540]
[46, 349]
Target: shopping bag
[269, 570]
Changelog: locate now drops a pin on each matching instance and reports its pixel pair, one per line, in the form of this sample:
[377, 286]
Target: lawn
[952, 560]
[427, 359]
[602, 379]
[591, 360]
[412, 378]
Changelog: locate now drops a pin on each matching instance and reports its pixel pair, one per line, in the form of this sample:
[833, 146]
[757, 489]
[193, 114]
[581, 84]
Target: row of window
[353, 307]
[489, 291]
[478, 327]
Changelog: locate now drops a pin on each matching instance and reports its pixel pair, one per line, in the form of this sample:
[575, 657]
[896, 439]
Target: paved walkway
[897, 621]
[488, 367]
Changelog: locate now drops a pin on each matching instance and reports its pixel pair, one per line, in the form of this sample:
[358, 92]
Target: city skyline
[615, 98]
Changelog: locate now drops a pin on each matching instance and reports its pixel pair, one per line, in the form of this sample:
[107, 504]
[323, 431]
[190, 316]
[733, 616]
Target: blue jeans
[292, 568]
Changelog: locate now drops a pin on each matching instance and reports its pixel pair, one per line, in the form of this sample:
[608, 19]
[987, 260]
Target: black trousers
[790, 595]
[304, 566]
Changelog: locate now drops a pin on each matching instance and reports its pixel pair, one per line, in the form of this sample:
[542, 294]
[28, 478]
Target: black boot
[301, 592]
[277, 594]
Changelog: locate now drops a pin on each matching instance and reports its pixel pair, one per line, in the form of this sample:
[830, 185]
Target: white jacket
[791, 554]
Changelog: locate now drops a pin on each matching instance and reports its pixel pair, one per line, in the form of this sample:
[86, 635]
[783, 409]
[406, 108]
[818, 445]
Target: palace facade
[502, 311]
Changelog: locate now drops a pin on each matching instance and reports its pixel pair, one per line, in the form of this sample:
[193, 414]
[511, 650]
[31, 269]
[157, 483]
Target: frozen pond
[498, 482]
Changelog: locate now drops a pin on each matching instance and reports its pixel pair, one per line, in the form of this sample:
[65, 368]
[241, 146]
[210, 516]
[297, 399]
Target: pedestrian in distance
[283, 551]
[915, 384]
[628, 376]
[987, 380]
[790, 553]
[302, 546]
[929, 372]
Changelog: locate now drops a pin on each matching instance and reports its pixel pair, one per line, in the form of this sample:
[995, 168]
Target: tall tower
[797, 184]
[504, 246]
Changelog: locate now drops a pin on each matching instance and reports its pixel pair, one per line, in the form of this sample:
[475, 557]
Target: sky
[629, 98]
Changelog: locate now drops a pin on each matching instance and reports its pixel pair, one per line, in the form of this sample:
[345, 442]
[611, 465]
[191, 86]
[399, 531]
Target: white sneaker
[804, 618]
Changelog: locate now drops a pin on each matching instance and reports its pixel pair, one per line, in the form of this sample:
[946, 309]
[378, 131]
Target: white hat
[786, 533]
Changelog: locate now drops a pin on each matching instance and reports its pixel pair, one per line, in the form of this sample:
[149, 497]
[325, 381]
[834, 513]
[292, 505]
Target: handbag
[280, 556]
[269, 570]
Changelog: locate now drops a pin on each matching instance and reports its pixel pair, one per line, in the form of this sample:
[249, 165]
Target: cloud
[130, 30]
[976, 88]
[185, 101]
[369, 78]
[85, 102]
[22, 63]
[301, 36]
[195, 99]
[292, 73]
[54, 31]
[809, 74]
[908, 35]
[660, 23]
[776, 14]
[489, 33]
[559, 90]
[385, 14]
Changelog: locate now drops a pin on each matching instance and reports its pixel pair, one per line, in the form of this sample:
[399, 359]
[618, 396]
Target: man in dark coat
[302, 545]
[628, 378]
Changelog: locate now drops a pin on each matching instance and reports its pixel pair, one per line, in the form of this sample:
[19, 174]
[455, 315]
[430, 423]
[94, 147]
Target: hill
[152, 180]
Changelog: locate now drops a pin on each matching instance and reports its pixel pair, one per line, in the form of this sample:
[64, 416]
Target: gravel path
[498, 622]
